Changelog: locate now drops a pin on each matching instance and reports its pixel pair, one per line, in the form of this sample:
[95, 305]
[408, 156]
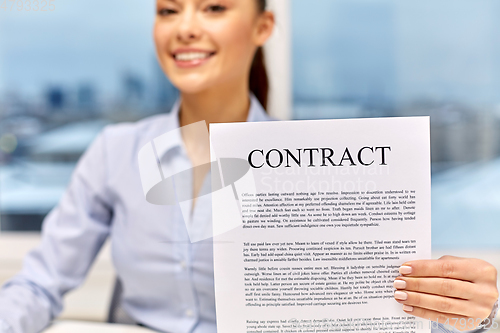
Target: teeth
[191, 56]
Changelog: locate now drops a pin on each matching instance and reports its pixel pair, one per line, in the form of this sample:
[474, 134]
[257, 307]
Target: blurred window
[64, 75]
[379, 58]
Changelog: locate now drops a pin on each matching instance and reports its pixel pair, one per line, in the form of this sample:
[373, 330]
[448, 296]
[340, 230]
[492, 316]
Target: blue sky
[447, 49]
[80, 41]
[410, 50]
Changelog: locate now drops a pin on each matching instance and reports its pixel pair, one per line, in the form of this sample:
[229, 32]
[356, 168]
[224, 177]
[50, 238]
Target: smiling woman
[211, 51]
[210, 45]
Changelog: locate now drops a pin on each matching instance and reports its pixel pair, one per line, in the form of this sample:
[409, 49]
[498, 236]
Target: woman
[207, 48]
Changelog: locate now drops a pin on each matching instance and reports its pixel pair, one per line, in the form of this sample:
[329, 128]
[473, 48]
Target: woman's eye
[216, 8]
[166, 11]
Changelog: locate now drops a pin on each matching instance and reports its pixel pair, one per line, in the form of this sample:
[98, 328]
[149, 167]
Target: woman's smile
[207, 44]
[191, 57]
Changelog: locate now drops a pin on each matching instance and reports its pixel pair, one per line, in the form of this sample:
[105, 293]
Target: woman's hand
[449, 290]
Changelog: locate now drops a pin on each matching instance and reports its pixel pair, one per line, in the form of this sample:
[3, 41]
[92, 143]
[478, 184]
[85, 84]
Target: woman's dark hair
[259, 81]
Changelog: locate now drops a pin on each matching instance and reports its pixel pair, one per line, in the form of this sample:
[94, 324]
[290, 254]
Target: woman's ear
[264, 27]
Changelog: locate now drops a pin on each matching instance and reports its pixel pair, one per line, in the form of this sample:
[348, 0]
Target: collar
[172, 138]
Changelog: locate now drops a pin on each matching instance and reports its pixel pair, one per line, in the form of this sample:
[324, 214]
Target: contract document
[312, 220]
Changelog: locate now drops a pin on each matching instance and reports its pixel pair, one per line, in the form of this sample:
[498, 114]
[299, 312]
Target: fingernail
[405, 270]
[399, 284]
[402, 296]
[407, 308]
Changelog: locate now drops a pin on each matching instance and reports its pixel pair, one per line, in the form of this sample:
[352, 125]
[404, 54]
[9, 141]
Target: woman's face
[205, 43]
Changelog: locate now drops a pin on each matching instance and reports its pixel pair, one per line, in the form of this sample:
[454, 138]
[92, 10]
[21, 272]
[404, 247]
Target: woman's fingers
[473, 270]
[450, 288]
[433, 302]
[442, 304]
[437, 286]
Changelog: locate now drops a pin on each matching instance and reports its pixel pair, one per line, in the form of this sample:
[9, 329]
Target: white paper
[324, 227]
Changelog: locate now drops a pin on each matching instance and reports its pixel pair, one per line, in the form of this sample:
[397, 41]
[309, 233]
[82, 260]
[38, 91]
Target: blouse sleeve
[72, 235]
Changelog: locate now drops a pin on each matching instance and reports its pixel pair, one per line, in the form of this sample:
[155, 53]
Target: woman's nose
[189, 28]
